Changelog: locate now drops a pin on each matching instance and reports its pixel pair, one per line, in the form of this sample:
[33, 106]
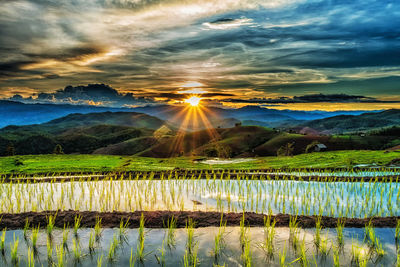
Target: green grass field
[94, 163]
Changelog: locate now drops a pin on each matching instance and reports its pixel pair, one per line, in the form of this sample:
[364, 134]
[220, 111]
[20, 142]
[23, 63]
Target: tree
[10, 151]
[286, 150]
[311, 146]
[58, 149]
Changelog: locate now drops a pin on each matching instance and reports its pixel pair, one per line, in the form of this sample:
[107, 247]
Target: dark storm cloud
[312, 98]
[8, 69]
[70, 53]
[388, 86]
[222, 21]
[344, 57]
[96, 94]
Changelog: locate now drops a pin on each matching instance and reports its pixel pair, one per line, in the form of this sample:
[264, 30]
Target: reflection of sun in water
[193, 101]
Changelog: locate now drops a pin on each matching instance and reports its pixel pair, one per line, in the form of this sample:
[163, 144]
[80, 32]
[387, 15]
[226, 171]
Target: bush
[10, 151]
[286, 150]
[58, 149]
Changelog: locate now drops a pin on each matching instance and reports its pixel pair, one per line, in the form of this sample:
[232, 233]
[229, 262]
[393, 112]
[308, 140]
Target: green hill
[350, 123]
[129, 133]
[78, 133]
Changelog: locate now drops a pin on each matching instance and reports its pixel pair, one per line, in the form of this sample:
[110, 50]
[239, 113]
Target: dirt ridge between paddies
[158, 219]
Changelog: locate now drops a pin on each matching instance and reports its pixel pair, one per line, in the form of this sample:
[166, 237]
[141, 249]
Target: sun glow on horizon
[193, 91]
[194, 101]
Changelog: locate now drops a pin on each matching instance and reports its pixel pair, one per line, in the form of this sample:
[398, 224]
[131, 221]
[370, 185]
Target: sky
[272, 53]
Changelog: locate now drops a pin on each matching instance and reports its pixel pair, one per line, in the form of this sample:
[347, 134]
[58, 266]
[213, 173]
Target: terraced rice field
[202, 218]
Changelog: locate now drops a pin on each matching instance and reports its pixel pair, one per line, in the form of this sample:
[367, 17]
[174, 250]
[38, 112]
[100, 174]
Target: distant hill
[78, 133]
[241, 141]
[16, 113]
[133, 133]
[249, 115]
[129, 147]
[132, 119]
[351, 123]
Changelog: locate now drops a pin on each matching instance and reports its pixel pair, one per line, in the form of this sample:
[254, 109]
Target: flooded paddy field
[334, 199]
[214, 218]
[211, 246]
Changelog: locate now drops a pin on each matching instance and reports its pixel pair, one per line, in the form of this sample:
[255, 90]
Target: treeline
[388, 131]
[79, 143]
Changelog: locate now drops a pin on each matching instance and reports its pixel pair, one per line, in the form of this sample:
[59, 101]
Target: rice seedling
[191, 244]
[14, 251]
[97, 229]
[49, 247]
[294, 232]
[359, 255]
[171, 224]
[247, 255]
[336, 253]
[304, 262]
[77, 224]
[50, 225]
[132, 259]
[293, 225]
[26, 227]
[141, 238]
[161, 259]
[190, 258]
[269, 234]
[373, 241]
[113, 249]
[60, 256]
[2, 241]
[323, 247]
[91, 242]
[99, 261]
[34, 237]
[123, 230]
[243, 232]
[282, 257]
[379, 251]
[65, 234]
[76, 249]
[317, 238]
[339, 232]
[218, 239]
[31, 258]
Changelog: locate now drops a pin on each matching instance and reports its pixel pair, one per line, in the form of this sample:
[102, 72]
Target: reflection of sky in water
[204, 238]
[369, 173]
[292, 197]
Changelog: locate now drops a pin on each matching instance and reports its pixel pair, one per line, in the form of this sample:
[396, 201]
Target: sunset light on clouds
[232, 52]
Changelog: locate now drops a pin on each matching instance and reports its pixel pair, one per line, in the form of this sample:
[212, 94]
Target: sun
[194, 101]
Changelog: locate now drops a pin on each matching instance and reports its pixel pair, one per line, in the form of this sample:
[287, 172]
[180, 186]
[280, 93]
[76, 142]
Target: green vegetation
[125, 133]
[98, 163]
[363, 122]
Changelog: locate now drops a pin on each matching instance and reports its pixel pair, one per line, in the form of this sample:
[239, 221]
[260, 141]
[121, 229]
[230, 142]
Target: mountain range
[17, 113]
[234, 133]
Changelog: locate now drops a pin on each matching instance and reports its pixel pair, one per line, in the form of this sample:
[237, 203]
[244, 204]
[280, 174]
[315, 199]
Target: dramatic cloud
[225, 24]
[235, 50]
[313, 98]
[92, 94]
